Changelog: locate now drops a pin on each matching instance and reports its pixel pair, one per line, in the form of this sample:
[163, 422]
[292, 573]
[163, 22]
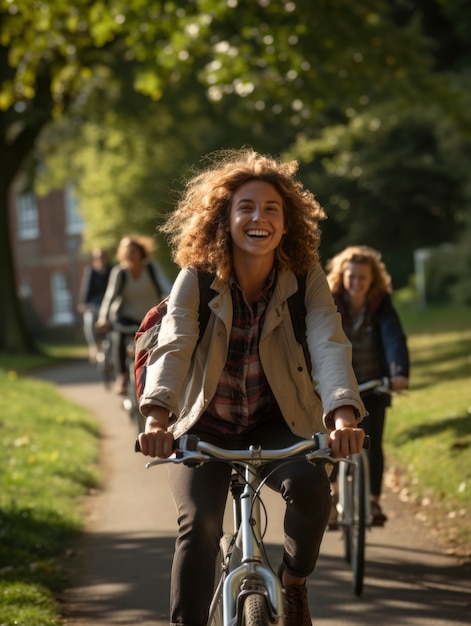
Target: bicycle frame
[105, 354]
[130, 401]
[104, 360]
[257, 577]
[354, 500]
[244, 573]
[354, 514]
[343, 471]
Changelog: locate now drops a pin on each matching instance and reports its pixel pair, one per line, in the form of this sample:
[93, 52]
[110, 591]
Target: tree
[48, 54]
[393, 176]
[112, 176]
[394, 181]
[261, 55]
[127, 167]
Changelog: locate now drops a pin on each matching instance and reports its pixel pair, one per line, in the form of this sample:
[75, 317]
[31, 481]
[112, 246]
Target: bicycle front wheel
[255, 611]
[228, 559]
[355, 521]
[105, 363]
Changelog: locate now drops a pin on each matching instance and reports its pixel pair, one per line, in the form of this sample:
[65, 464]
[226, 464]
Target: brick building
[46, 235]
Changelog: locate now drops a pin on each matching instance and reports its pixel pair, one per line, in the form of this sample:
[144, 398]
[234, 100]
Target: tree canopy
[135, 91]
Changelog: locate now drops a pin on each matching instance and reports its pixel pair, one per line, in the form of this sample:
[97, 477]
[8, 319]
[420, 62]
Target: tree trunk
[14, 334]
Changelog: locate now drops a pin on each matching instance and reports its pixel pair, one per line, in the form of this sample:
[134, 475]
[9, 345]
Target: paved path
[119, 575]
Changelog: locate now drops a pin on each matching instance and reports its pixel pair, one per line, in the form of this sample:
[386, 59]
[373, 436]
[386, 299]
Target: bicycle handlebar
[191, 450]
[380, 385]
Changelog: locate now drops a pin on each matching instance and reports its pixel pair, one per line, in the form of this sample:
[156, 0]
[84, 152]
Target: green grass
[428, 433]
[47, 459]
[51, 354]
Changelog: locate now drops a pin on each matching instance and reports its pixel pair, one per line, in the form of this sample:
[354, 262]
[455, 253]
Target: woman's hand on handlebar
[399, 383]
[102, 325]
[346, 439]
[157, 441]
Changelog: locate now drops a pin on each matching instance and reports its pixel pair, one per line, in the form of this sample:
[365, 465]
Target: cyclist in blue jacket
[361, 287]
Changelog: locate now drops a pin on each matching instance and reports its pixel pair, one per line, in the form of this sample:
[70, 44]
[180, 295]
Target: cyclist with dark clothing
[361, 287]
[92, 289]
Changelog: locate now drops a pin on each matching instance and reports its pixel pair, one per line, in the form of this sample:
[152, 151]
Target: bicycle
[354, 500]
[106, 366]
[104, 359]
[247, 591]
[130, 401]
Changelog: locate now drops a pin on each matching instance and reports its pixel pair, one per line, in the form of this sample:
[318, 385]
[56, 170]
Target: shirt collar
[267, 288]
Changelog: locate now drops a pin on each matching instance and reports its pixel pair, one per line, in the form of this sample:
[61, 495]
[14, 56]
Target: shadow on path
[120, 575]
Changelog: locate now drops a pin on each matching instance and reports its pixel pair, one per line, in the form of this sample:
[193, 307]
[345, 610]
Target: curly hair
[362, 255]
[198, 229]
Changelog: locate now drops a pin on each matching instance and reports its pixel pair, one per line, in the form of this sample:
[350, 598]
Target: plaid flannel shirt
[243, 394]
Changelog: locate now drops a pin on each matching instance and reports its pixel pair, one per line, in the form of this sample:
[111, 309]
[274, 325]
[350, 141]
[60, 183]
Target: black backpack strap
[297, 311]
[121, 280]
[151, 270]
[206, 293]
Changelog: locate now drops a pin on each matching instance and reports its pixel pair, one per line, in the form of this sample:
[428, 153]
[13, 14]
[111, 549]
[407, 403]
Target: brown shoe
[295, 604]
[378, 518]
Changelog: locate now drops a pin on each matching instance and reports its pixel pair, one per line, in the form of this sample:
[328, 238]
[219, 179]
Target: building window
[28, 219]
[73, 220]
[25, 291]
[61, 300]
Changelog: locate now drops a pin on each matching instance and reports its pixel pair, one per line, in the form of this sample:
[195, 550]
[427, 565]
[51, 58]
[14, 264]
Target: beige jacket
[184, 380]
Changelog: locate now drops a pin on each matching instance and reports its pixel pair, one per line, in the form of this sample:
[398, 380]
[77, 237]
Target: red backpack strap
[144, 339]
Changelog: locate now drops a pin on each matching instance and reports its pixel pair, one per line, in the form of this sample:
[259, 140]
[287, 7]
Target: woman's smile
[256, 219]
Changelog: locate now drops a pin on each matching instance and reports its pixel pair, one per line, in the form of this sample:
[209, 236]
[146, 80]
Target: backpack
[146, 336]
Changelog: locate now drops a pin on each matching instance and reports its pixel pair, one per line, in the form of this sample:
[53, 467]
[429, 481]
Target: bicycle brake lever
[192, 459]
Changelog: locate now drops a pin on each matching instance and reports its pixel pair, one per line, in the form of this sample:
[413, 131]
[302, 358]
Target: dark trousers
[373, 425]
[200, 495]
[120, 340]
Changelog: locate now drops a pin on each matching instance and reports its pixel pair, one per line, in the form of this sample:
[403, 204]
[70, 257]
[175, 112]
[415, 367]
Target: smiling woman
[256, 225]
[361, 286]
[254, 228]
[199, 229]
